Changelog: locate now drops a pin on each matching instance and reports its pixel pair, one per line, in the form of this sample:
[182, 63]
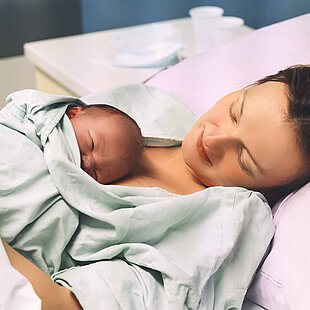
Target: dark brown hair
[297, 81]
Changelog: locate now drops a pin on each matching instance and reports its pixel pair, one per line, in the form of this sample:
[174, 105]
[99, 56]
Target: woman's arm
[52, 295]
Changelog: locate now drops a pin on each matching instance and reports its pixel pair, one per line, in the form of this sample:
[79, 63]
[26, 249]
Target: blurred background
[24, 21]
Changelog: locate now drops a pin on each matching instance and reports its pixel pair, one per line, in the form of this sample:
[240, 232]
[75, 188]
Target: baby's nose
[86, 163]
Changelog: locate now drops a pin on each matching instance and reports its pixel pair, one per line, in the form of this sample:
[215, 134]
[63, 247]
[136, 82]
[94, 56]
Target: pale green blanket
[121, 247]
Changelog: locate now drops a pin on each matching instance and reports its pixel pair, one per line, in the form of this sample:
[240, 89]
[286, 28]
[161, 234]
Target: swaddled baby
[109, 140]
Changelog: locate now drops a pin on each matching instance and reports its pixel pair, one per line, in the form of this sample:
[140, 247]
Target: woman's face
[245, 140]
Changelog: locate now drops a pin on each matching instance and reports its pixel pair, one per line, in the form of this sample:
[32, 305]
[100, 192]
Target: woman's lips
[201, 150]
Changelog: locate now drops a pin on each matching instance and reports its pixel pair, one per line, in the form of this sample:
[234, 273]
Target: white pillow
[283, 281]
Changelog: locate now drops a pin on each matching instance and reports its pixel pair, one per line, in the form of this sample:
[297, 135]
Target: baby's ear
[74, 112]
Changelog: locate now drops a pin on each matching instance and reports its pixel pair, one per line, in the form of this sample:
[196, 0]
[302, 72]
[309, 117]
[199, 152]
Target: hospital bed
[199, 82]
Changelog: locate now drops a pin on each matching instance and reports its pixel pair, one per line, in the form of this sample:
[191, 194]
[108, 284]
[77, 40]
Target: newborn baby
[109, 140]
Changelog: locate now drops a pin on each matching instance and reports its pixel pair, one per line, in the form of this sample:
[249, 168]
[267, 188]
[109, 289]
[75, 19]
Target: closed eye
[241, 163]
[232, 114]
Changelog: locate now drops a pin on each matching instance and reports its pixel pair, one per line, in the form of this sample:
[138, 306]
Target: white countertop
[82, 63]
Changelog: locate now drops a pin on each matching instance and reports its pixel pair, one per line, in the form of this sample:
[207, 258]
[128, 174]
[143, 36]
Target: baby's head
[109, 140]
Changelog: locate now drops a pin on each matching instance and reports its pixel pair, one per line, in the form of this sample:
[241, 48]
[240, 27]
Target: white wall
[15, 73]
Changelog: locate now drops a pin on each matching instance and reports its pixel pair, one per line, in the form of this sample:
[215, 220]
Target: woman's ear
[74, 112]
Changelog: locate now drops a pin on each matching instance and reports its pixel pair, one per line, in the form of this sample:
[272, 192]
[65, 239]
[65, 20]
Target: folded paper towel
[154, 45]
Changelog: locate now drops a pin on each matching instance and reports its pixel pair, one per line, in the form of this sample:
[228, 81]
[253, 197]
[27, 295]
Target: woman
[254, 138]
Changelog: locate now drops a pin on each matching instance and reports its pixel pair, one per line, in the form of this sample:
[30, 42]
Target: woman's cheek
[232, 175]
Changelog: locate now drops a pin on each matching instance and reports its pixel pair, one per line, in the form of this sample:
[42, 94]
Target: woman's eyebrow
[260, 169]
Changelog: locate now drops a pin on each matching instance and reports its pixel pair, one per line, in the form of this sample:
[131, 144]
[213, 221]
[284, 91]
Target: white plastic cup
[224, 29]
[201, 17]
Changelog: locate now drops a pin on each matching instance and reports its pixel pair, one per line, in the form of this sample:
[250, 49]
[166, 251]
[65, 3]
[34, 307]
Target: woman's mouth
[201, 150]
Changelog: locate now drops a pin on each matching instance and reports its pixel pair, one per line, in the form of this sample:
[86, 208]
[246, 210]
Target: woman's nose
[218, 143]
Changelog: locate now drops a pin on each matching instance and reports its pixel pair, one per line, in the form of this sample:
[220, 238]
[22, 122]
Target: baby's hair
[95, 108]
[109, 109]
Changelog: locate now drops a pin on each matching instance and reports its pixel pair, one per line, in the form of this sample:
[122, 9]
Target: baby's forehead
[104, 111]
[117, 118]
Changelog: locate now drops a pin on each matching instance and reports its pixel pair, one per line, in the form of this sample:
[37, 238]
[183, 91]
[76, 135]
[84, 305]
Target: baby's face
[105, 146]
